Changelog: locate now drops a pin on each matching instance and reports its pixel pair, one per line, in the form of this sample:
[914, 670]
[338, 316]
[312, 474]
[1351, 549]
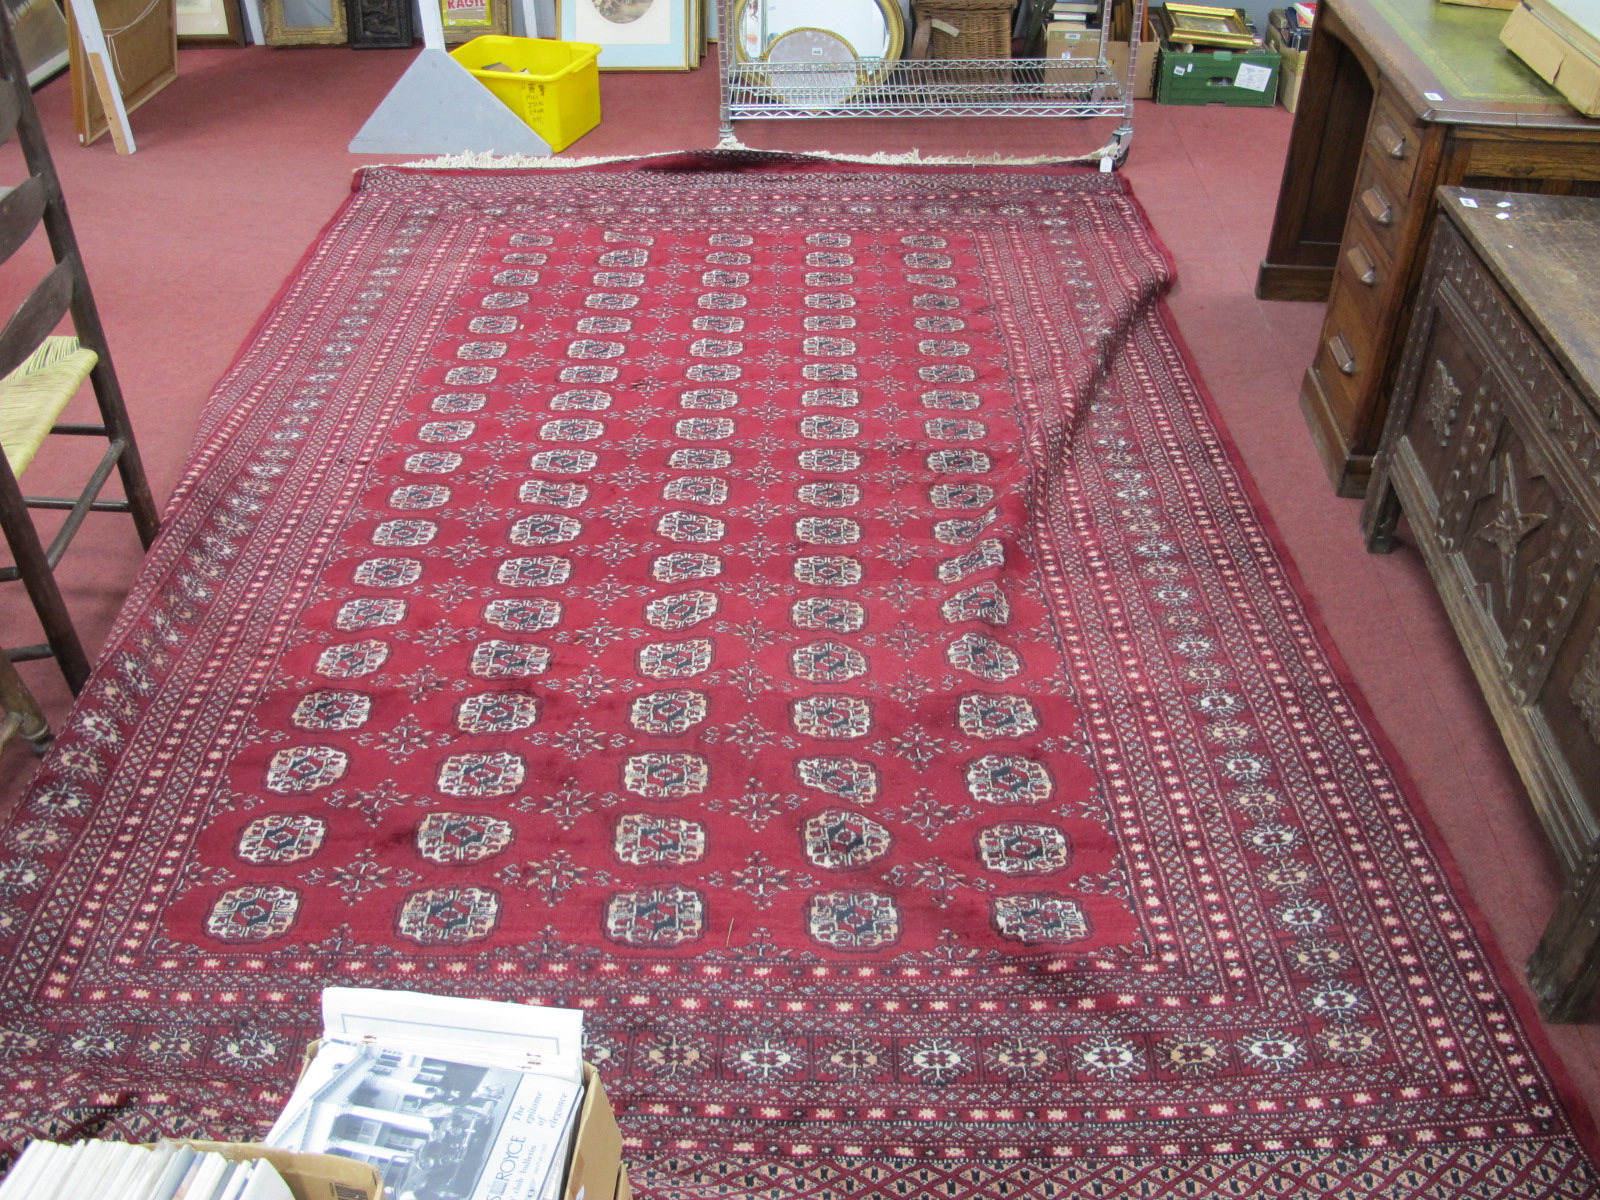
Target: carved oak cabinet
[1492, 450]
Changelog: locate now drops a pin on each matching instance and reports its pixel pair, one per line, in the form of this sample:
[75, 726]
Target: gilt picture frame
[1205, 25]
[636, 35]
[304, 22]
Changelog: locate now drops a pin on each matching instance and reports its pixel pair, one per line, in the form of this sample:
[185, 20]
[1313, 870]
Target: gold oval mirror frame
[817, 18]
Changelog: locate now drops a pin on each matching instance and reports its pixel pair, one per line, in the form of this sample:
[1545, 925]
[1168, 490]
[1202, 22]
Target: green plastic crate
[1236, 78]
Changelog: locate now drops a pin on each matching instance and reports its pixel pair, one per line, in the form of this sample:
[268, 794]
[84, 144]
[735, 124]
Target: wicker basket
[985, 27]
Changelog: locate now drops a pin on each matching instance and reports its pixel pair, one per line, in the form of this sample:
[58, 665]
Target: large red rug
[809, 620]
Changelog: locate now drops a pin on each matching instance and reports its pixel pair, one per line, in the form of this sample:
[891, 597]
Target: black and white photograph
[428, 1126]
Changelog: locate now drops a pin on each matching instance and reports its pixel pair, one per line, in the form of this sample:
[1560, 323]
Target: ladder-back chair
[41, 370]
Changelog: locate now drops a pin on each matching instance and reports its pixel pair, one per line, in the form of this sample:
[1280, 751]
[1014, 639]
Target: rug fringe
[488, 160]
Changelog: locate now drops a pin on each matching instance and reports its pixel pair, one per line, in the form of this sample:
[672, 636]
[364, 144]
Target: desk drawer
[1394, 146]
[1379, 208]
[1345, 363]
[1366, 272]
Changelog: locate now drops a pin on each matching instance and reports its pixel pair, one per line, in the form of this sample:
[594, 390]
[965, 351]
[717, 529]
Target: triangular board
[437, 107]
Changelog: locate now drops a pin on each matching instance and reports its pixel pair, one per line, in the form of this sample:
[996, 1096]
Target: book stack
[1295, 26]
[117, 1171]
[1068, 15]
[444, 1097]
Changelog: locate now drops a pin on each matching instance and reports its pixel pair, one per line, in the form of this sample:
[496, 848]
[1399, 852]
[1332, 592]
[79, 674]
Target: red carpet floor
[243, 158]
[809, 621]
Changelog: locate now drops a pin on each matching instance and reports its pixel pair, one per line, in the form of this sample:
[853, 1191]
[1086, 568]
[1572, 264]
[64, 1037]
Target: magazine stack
[406, 1096]
[447, 1099]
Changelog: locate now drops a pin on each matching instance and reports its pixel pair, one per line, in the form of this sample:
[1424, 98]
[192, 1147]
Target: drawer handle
[1393, 144]
[1342, 358]
[1366, 270]
[1377, 207]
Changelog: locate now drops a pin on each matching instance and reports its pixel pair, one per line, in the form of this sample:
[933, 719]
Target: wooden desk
[1492, 448]
[1398, 98]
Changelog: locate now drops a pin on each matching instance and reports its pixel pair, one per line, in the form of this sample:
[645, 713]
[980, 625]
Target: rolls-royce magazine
[449, 1099]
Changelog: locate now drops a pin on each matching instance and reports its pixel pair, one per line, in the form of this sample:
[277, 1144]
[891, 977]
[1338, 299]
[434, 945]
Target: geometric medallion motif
[281, 839]
[854, 920]
[832, 716]
[496, 774]
[1008, 779]
[843, 777]
[1022, 849]
[448, 915]
[447, 837]
[332, 710]
[497, 712]
[840, 839]
[984, 657]
[1039, 918]
[523, 615]
[671, 712]
[985, 716]
[643, 839]
[675, 660]
[680, 610]
[253, 914]
[658, 917]
[665, 776]
[305, 768]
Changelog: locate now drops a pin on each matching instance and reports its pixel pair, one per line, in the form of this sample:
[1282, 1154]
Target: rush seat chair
[42, 366]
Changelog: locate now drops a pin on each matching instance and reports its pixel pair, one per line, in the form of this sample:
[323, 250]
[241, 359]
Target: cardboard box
[1289, 70]
[595, 1170]
[1505, 4]
[1554, 59]
[1116, 62]
[1077, 43]
[1144, 80]
[1236, 78]
[309, 1176]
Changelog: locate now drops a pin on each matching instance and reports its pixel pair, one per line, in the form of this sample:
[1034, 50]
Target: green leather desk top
[1459, 46]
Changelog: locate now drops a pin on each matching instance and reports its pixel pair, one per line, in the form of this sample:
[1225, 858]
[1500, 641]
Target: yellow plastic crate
[552, 86]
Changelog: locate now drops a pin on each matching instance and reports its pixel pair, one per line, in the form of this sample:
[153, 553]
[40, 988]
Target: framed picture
[467, 19]
[41, 33]
[304, 22]
[379, 24]
[636, 35]
[142, 49]
[209, 23]
[1201, 25]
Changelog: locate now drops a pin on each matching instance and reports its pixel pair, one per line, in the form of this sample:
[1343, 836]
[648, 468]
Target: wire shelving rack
[1011, 87]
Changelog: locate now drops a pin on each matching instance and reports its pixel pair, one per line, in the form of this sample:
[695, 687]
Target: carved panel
[1555, 584]
[1585, 690]
[379, 24]
[1441, 401]
[1470, 476]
